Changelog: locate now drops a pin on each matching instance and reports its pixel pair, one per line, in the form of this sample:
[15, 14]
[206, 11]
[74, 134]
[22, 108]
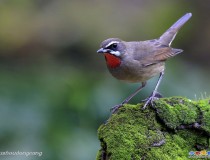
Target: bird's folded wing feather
[154, 53]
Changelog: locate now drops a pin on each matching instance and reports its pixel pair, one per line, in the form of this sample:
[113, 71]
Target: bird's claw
[115, 108]
[149, 101]
[154, 96]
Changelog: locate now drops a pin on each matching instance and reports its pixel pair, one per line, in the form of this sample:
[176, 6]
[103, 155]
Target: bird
[139, 61]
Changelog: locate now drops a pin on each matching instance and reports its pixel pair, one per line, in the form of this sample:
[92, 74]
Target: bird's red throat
[112, 61]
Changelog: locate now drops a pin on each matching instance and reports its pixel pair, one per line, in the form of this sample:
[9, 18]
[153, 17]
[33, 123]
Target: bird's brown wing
[164, 53]
[154, 53]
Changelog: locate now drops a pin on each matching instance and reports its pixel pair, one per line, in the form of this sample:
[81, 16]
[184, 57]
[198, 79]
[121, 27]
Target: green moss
[176, 111]
[204, 106]
[133, 133]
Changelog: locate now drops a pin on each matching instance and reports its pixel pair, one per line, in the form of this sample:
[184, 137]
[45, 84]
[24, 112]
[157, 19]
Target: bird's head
[113, 49]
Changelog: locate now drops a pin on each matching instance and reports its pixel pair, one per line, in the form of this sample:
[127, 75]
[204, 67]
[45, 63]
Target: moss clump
[176, 111]
[204, 107]
[165, 132]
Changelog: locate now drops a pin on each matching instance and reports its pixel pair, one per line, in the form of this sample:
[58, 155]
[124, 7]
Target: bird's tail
[169, 35]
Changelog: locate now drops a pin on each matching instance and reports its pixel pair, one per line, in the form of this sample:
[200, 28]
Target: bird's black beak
[101, 50]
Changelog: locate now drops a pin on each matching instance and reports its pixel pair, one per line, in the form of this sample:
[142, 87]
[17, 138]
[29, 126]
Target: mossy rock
[167, 131]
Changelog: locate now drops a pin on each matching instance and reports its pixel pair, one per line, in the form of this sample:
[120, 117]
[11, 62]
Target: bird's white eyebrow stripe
[112, 42]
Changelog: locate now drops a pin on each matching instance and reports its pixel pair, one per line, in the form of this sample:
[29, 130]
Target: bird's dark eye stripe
[112, 46]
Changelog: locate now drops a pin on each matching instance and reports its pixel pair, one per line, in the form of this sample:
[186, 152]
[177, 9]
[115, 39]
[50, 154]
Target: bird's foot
[157, 95]
[154, 96]
[116, 107]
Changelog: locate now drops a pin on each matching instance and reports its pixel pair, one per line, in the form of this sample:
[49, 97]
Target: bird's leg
[154, 94]
[116, 107]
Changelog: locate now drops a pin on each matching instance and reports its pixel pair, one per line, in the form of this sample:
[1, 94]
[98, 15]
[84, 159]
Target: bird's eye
[114, 45]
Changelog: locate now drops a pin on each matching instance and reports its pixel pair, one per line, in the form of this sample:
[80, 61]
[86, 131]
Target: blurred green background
[55, 90]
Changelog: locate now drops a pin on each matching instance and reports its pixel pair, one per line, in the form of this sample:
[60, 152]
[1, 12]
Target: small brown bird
[138, 61]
